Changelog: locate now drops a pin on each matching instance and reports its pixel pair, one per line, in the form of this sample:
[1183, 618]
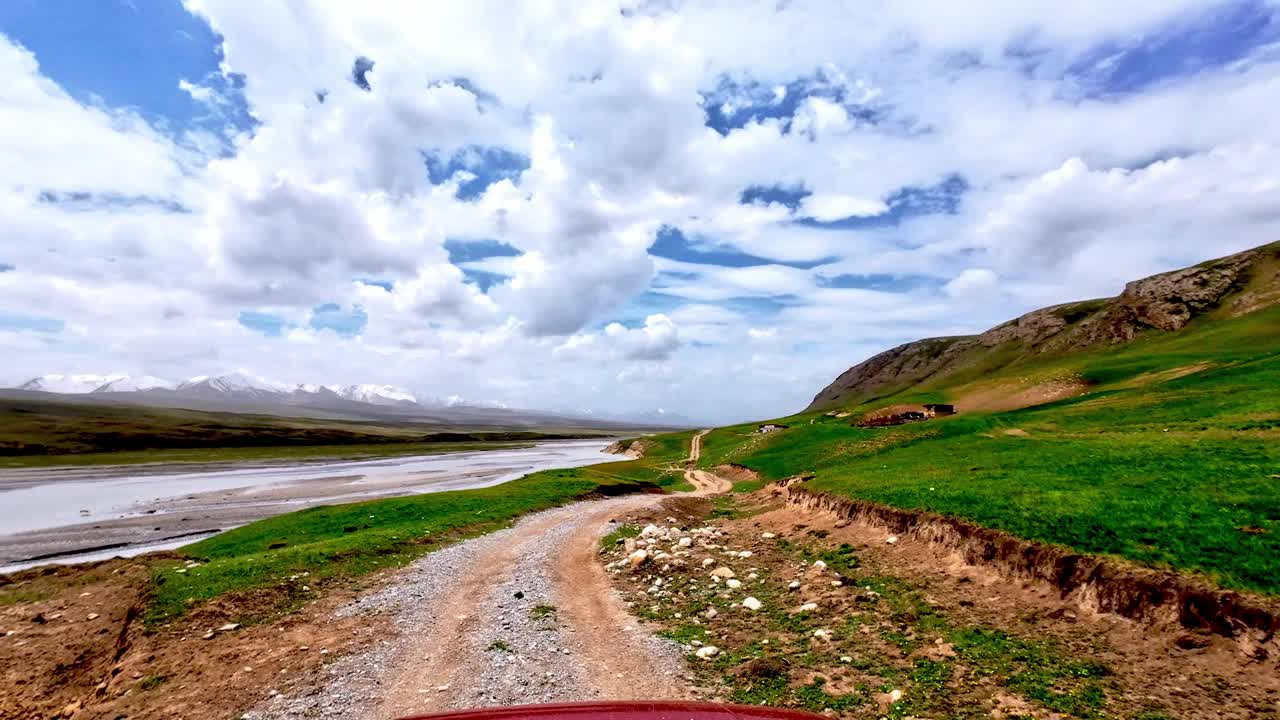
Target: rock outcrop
[1231, 286]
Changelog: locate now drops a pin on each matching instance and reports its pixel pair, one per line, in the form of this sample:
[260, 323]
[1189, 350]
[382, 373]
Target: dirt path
[523, 615]
[704, 483]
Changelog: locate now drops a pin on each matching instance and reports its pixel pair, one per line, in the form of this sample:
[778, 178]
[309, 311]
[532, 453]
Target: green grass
[251, 454]
[288, 554]
[622, 532]
[43, 433]
[1180, 472]
[542, 611]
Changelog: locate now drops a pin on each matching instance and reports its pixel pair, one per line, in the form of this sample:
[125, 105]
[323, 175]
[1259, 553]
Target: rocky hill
[1227, 287]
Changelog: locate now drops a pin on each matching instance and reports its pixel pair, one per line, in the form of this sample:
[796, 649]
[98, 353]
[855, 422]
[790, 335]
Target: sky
[711, 208]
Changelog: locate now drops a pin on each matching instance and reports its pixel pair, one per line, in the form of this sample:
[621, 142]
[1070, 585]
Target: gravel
[516, 656]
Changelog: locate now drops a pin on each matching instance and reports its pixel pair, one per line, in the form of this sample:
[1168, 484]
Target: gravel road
[522, 615]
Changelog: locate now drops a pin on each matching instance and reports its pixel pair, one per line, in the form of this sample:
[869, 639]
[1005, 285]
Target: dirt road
[704, 483]
[523, 615]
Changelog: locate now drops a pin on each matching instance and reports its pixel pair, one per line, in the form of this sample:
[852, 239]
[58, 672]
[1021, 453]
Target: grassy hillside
[39, 433]
[1169, 454]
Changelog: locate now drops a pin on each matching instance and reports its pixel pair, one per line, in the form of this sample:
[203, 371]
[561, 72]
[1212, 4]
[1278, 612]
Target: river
[79, 514]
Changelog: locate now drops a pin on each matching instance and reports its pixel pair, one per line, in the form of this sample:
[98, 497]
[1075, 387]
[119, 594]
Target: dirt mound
[1013, 397]
[634, 449]
[77, 646]
[1101, 584]
[736, 473]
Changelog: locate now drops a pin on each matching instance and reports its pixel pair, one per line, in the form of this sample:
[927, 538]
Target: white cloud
[829, 208]
[329, 202]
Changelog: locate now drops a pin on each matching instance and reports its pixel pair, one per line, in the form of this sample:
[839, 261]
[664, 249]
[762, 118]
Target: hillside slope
[1225, 288]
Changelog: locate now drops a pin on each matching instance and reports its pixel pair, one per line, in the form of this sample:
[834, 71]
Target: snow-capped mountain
[374, 394]
[235, 383]
[244, 392]
[88, 383]
[68, 384]
[126, 383]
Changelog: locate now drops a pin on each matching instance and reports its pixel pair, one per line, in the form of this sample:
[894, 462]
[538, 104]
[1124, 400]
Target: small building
[770, 427]
[936, 409]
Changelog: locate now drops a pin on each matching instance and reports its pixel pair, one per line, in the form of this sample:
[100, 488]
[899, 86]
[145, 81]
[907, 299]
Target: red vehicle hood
[641, 710]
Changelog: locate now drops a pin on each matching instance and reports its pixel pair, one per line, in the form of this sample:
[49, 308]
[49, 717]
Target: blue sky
[316, 192]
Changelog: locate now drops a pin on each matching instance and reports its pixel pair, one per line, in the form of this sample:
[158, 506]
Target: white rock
[822, 634]
[733, 584]
[708, 562]
[710, 614]
[685, 542]
[707, 652]
[745, 554]
[752, 604]
[895, 696]
[768, 535]
[638, 558]
[808, 607]
[892, 540]
[650, 531]
[794, 585]
[629, 545]
[837, 583]
[819, 564]
[722, 572]
[846, 659]
[752, 576]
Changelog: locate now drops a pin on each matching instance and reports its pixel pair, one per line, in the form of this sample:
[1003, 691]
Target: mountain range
[243, 392]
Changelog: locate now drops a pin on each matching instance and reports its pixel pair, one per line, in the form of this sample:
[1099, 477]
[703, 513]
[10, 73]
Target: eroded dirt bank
[1101, 585]
[848, 623]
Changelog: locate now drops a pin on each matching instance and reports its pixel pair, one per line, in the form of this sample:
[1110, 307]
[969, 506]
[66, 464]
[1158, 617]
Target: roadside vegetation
[1169, 456]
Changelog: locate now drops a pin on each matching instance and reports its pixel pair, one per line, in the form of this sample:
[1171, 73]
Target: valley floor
[808, 612]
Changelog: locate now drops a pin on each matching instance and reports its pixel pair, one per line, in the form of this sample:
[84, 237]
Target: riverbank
[83, 514]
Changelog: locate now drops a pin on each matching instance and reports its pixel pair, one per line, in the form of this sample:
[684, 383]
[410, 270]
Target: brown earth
[957, 640]
[78, 647]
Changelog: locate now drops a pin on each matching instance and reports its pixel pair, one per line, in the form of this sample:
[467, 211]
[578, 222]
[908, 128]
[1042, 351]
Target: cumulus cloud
[653, 342]
[145, 240]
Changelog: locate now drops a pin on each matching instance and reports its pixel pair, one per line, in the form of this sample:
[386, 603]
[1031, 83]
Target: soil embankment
[1101, 584]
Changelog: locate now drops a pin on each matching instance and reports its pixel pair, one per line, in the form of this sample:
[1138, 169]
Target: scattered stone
[208, 636]
[708, 562]
[710, 614]
[820, 564]
[895, 696]
[707, 652]
[892, 540]
[685, 542]
[638, 558]
[822, 634]
[794, 585]
[733, 584]
[809, 607]
[93, 616]
[768, 536]
[752, 604]
[722, 572]
[846, 659]
[229, 627]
